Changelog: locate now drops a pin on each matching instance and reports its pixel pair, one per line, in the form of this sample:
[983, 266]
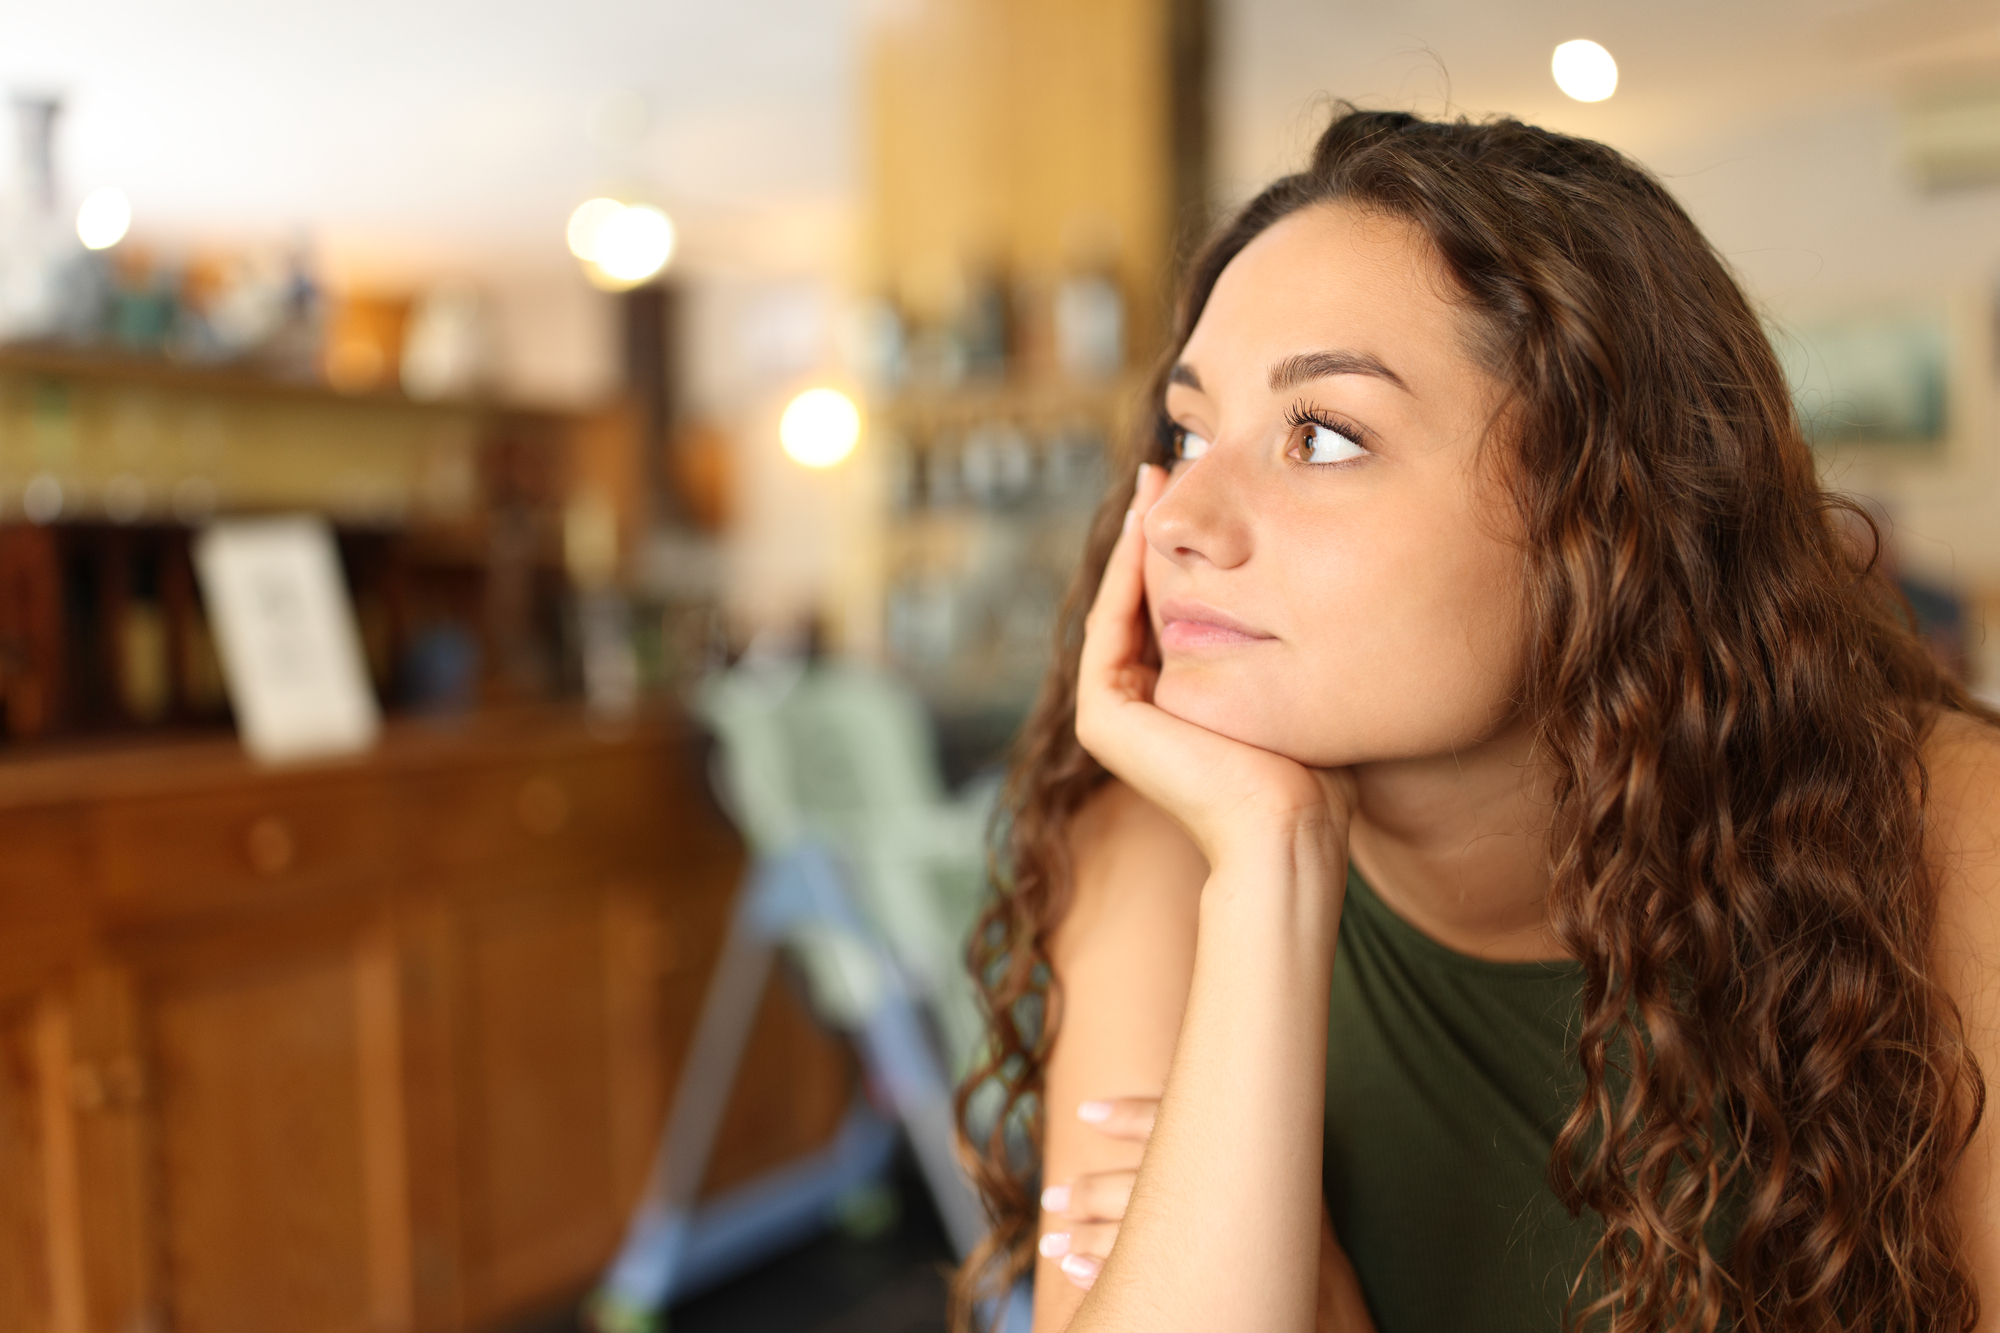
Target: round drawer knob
[542, 807]
[270, 846]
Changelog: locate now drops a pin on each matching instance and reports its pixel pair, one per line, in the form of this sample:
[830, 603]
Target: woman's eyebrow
[1296, 370]
[1183, 373]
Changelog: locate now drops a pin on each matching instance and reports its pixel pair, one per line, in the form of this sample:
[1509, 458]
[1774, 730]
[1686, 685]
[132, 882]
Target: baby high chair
[870, 876]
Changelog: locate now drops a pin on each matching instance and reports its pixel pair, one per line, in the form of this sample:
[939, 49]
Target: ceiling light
[621, 245]
[104, 219]
[820, 428]
[1585, 71]
[635, 243]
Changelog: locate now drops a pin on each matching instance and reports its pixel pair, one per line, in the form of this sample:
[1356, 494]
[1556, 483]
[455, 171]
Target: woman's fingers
[1085, 1213]
[1121, 1117]
[1113, 632]
[1099, 1197]
[1080, 1250]
[1091, 1238]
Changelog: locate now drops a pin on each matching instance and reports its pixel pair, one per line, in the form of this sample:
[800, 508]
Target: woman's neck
[1458, 846]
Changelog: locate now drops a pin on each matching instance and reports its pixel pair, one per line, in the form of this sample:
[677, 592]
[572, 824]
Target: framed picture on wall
[1879, 376]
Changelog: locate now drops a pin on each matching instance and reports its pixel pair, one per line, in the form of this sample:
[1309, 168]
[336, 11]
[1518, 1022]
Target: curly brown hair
[1775, 1088]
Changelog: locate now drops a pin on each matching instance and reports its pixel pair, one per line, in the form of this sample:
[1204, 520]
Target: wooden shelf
[137, 762]
[163, 372]
[234, 379]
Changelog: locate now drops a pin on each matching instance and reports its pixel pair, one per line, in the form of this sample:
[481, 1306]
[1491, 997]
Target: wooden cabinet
[379, 1046]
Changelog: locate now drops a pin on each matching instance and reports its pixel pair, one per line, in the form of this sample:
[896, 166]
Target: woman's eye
[1189, 446]
[1323, 444]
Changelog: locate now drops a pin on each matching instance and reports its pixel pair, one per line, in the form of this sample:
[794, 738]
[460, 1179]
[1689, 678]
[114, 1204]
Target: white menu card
[285, 630]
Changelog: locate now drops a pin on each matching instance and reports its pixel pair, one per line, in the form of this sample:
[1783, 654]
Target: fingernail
[1081, 1269]
[1055, 1199]
[1054, 1245]
[1094, 1113]
[1142, 474]
[1131, 515]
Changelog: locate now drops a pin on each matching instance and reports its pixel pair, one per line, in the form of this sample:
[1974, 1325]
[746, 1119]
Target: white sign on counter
[284, 627]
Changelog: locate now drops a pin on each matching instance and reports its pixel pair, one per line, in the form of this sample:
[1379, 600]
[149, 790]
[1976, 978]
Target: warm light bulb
[820, 427]
[621, 245]
[587, 223]
[1585, 71]
[634, 244]
[104, 219]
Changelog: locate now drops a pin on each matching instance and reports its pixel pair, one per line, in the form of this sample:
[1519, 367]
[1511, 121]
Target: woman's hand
[1222, 791]
[1092, 1206]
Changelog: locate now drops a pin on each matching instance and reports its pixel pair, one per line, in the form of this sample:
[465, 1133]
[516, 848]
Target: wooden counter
[375, 1045]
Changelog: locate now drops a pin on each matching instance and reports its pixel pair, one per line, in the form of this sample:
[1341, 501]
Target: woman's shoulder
[1962, 764]
[1962, 828]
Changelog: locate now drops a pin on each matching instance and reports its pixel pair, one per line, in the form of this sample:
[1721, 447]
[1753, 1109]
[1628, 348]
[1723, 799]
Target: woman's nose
[1203, 515]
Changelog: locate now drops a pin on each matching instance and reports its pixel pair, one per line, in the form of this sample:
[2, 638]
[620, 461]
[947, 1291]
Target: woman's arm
[1122, 957]
[1223, 1231]
[1223, 1228]
[1963, 818]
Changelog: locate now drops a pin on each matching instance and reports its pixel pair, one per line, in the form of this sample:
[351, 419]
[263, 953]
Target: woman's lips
[1187, 625]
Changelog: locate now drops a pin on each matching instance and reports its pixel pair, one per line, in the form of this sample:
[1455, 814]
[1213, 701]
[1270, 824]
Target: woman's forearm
[1223, 1229]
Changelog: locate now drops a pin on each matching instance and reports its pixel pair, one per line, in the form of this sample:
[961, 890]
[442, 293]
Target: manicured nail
[1131, 516]
[1054, 1245]
[1094, 1113]
[1142, 475]
[1081, 1269]
[1055, 1199]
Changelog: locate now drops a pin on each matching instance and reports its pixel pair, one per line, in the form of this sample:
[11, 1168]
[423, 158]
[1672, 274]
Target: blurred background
[702, 406]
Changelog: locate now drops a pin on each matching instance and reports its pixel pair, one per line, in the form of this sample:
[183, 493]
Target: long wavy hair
[1775, 1088]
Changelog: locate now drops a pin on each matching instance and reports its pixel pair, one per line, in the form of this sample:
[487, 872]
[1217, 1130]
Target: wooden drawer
[44, 869]
[45, 901]
[236, 848]
[565, 813]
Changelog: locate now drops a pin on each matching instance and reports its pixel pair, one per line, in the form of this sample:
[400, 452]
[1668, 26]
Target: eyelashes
[1302, 414]
[1167, 436]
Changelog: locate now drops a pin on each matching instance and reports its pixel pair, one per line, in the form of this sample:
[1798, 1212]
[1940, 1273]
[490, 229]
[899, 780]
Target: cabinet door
[574, 1009]
[276, 1118]
[28, 1246]
[536, 1123]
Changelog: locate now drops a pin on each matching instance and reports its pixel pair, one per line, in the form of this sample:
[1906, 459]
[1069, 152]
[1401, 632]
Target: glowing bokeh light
[820, 428]
[1585, 71]
[104, 219]
[621, 245]
[587, 222]
[634, 244]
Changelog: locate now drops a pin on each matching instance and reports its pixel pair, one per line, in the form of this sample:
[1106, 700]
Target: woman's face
[1334, 571]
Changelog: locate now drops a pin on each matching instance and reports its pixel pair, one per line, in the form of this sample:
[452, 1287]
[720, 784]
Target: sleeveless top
[1447, 1078]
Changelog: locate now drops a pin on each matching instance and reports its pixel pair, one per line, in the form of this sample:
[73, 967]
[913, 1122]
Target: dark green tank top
[1447, 1078]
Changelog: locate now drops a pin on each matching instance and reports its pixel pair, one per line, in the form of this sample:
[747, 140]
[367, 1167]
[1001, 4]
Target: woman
[1493, 857]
